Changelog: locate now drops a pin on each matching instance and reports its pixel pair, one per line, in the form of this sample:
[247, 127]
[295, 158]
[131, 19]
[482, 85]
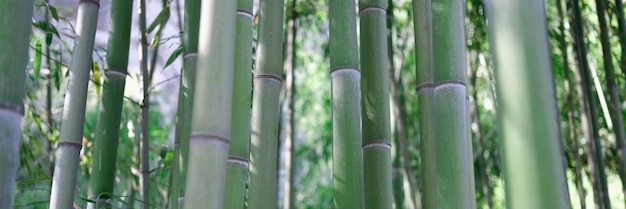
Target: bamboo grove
[341, 104]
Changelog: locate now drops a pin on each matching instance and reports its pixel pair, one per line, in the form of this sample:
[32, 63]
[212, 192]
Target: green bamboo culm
[613, 91]
[346, 106]
[239, 151]
[529, 129]
[107, 130]
[453, 187]
[210, 123]
[185, 101]
[70, 140]
[422, 20]
[263, 188]
[15, 21]
[375, 104]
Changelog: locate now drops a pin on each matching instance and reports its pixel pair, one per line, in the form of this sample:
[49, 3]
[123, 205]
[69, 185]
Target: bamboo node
[373, 9]
[115, 73]
[338, 70]
[424, 87]
[77, 146]
[270, 77]
[19, 109]
[190, 54]
[209, 137]
[95, 2]
[247, 14]
[379, 144]
[238, 160]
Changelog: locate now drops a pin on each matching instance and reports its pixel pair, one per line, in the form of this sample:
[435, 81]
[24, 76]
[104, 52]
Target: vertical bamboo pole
[375, 104]
[107, 130]
[70, 140]
[450, 105]
[346, 108]
[14, 35]
[529, 129]
[239, 151]
[212, 105]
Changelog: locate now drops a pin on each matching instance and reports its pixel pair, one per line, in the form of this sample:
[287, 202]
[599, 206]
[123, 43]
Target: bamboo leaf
[160, 20]
[46, 27]
[37, 63]
[48, 39]
[174, 56]
[53, 12]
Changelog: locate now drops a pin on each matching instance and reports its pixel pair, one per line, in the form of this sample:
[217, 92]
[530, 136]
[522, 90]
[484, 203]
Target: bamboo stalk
[185, 99]
[346, 107]
[70, 140]
[375, 104]
[613, 91]
[144, 136]
[424, 79]
[211, 120]
[533, 170]
[104, 154]
[15, 36]
[239, 151]
[450, 106]
[263, 188]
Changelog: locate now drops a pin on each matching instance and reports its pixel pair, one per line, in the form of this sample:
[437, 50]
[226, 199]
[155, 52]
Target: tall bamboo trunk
[613, 90]
[289, 199]
[572, 131]
[15, 36]
[375, 104]
[450, 106]
[533, 171]
[144, 136]
[239, 151]
[185, 99]
[424, 78]
[586, 98]
[263, 188]
[107, 131]
[212, 105]
[70, 140]
[346, 106]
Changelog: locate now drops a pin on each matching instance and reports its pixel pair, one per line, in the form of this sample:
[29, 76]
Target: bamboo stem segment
[375, 104]
[14, 35]
[67, 157]
[212, 105]
[107, 131]
[263, 188]
[533, 173]
[239, 151]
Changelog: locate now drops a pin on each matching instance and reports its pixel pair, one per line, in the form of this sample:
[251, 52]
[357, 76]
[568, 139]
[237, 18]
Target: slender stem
[289, 200]
[106, 140]
[70, 140]
[613, 91]
[265, 107]
[239, 151]
[185, 95]
[144, 142]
